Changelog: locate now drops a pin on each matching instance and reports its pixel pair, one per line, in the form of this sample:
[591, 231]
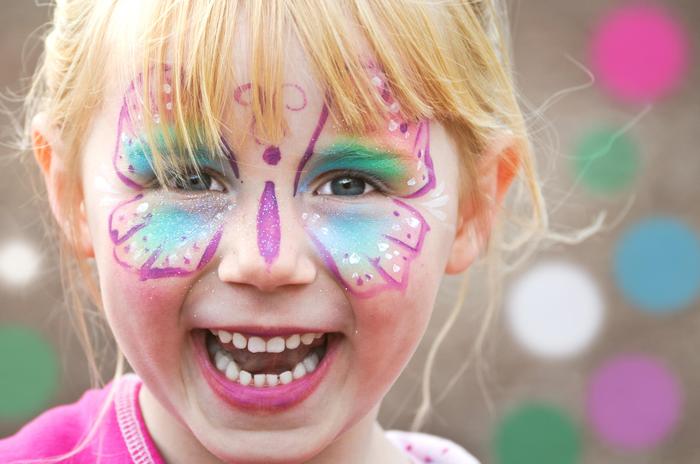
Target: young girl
[262, 198]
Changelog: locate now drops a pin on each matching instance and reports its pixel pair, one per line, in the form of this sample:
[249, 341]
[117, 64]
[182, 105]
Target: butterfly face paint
[370, 245]
[159, 233]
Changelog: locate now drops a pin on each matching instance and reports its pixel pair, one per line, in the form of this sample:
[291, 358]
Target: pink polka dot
[633, 401]
[639, 53]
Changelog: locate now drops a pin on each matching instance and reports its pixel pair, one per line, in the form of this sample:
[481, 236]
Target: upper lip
[262, 331]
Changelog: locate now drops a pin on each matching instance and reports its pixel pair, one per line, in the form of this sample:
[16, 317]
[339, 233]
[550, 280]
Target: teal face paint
[160, 233]
[369, 245]
[355, 156]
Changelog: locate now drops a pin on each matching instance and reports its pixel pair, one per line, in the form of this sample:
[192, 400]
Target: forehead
[302, 95]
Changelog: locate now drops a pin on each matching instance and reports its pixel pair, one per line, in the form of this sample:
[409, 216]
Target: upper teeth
[261, 345]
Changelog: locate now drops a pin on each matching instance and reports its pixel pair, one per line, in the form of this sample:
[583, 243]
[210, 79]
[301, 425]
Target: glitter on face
[160, 233]
[370, 245]
[268, 225]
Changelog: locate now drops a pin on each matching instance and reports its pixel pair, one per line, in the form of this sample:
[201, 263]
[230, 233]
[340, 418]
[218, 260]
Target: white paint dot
[19, 262]
[555, 309]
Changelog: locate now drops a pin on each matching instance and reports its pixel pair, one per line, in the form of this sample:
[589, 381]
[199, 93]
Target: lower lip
[262, 399]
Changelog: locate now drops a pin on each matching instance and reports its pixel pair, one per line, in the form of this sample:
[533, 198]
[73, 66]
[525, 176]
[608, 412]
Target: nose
[263, 245]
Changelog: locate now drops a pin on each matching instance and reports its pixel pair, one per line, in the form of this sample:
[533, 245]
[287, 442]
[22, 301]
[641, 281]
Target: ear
[495, 172]
[49, 155]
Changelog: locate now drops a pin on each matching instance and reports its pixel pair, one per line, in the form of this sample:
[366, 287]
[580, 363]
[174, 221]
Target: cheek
[154, 238]
[369, 252]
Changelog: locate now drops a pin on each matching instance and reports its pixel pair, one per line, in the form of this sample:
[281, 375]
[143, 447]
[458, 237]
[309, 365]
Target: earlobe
[48, 153]
[495, 173]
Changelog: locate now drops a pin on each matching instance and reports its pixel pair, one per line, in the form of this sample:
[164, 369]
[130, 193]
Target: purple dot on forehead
[272, 155]
[403, 127]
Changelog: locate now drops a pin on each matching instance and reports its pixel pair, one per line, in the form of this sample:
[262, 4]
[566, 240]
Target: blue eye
[191, 181]
[350, 183]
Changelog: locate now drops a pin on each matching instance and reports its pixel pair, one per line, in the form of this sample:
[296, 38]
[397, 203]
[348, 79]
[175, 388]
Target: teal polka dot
[605, 161]
[536, 433]
[657, 265]
[28, 373]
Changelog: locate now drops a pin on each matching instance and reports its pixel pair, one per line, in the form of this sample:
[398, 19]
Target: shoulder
[423, 447]
[55, 431]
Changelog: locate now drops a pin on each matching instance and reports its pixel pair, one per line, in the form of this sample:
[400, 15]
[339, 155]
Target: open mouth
[266, 362]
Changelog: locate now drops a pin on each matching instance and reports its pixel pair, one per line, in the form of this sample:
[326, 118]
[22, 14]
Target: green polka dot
[605, 161]
[536, 434]
[28, 372]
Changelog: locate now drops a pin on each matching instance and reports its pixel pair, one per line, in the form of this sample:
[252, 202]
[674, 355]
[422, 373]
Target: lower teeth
[225, 364]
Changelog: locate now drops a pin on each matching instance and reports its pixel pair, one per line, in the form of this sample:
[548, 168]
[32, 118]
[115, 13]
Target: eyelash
[377, 183]
[215, 177]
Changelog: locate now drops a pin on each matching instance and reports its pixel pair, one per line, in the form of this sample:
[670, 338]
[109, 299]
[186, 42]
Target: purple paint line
[123, 114]
[230, 156]
[269, 234]
[427, 160]
[312, 143]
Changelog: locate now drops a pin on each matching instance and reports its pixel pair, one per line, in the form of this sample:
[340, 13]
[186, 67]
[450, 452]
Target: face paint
[272, 155]
[370, 249]
[161, 233]
[268, 223]
[295, 100]
[370, 245]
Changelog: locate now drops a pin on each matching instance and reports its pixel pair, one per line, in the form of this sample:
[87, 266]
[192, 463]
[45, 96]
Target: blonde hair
[444, 60]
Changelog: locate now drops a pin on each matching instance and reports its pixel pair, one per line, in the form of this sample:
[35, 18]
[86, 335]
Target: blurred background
[593, 355]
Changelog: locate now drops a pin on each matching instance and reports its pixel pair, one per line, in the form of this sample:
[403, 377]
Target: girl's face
[315, 261]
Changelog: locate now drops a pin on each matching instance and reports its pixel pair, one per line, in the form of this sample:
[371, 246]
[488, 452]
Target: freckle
[145, 238]
[403, 128]
[359, 282]
[126, 248]
[183, 238]
[346, 255]
[131, 168]
[404, 258]
[408, 235]
[396, 213]
[420, 153]
[368, 276]
[187, 261]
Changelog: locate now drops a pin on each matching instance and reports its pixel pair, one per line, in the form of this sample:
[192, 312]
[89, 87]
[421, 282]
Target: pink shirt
[124, 438]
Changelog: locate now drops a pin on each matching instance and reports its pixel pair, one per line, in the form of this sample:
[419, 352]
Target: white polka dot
[555, 309]
[19, 262]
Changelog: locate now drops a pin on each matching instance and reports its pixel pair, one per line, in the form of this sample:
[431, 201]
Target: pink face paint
[370, 245]
[271, 155]
[295, 100]
[156, 233]
[268, 222]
